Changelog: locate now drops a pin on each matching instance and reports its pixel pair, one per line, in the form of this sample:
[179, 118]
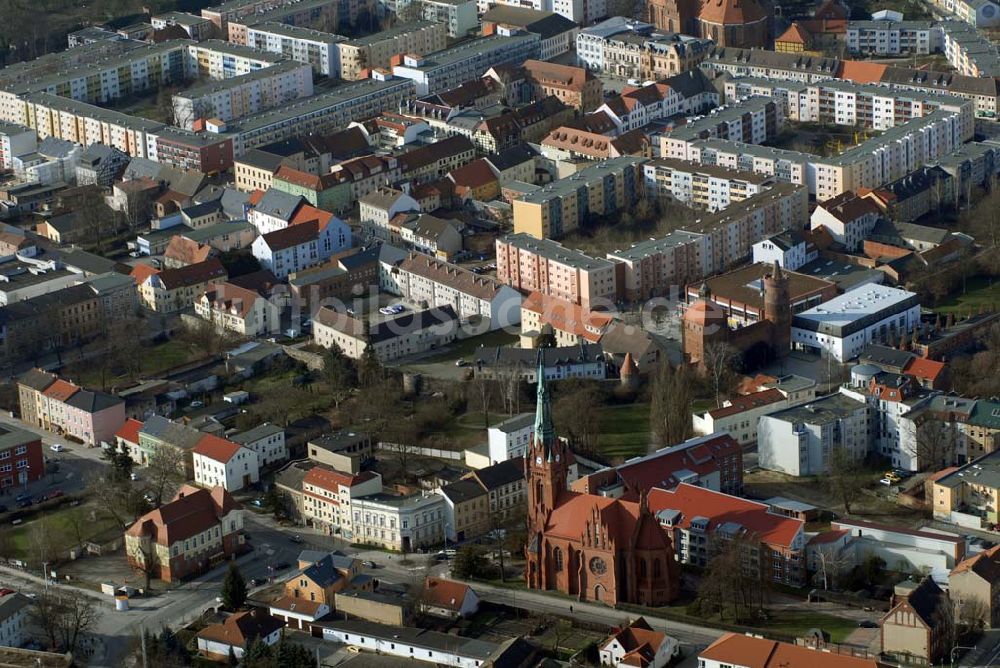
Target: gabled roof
[331, 480]
[191, 512]
[192, 274]
[553, 74]
[232, 298]
[476, 174]
[448, 594]
[93, 402]
[278, 204]
[795, 34]
[242, 628]
[431, 153]
[216, 448]
[293, 235]
[37, 379]
[753, 652]
[61, 390]
[500, 474]
[129, 432]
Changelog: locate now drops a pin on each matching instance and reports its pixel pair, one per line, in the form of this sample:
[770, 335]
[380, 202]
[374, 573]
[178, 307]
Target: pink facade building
[541, 265]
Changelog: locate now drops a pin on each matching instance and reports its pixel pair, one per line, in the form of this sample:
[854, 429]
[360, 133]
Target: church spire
[544, 431]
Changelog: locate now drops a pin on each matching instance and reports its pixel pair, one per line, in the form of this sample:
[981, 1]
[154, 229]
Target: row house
[327, 496]
[57, 405]
[408, 334]
[315, 48]
[403, 523]
[627, 48]
[302, 245]
[51, 321]
[267, 440]
[22, 460]
[434, 161]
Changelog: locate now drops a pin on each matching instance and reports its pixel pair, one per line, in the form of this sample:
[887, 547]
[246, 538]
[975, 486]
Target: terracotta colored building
[592, 547]
[573, 86]
[743, 24]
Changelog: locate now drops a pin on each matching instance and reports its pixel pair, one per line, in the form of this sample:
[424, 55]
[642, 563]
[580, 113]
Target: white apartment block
[15, 140]
[455, 65]
[739, 416]
[216, 59]
[403, 523]
[510, 438]
[893, 38]
[969, 51]
[14, 622]
[845, 325]
[327, 497]
[701, 186]
[856, 105]
[529, 264]
[377, 50]
[978, 13]
[240, 96]
[459, 16]
[789, 249]
[752, 120]
[800, 441]
[871, 164]
[267, 440]
[318, 49]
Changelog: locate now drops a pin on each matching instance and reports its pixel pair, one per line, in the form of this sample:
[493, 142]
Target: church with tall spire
[592, 547]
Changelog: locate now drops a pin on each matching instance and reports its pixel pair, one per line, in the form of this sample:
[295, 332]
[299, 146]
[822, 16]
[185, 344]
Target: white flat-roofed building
[455, 65]
[304, 45]
[847, 324]
[510, 438]
[893, 38]
[701, 186]
[799, 441]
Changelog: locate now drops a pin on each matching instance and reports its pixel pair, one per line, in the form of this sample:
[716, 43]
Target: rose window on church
[598, 566]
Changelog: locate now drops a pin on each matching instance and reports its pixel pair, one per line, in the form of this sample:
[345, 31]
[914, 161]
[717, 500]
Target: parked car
[296, 538]
[56, 447]
[369, 564]
[887, 482]
[461, 362]
[23, 503]
[867, 624]
[55, 494]
[22, 497]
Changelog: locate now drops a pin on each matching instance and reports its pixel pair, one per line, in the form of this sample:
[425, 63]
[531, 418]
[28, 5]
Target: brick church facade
[591, 547]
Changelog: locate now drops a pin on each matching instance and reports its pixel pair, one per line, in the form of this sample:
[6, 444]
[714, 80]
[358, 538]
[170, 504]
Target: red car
[54, 494]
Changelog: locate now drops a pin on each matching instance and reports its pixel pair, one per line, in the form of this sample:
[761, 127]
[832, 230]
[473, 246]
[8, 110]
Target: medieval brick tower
[778, 310]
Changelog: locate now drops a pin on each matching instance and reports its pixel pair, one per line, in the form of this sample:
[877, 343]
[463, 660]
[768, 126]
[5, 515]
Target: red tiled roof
[861, 71]
[447, 594]
[731, 12]
[242, 628]
[795, 34]
[187, 251]
[306, 213]
[828, 537]
[129, 432]
[751, 652]
[230, 297]
[141, 272]
[748, 402]
[215, 448]
[255, 197]
[61, 390]
[691, 501]
[191, 512]
[330, 479]
[473, 175]
[301, 606]
[923, 367]
[567, 316]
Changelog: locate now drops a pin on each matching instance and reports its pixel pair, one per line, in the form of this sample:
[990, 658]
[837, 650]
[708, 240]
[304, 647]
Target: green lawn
[467, 347]
[61, 528]
[624, 431]
[155, 360]
[798, 623]
[978, 293]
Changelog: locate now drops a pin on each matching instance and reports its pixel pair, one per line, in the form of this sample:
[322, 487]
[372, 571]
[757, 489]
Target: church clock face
[598, 566]
[538, 460]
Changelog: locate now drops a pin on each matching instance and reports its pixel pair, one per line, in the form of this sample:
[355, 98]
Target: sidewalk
[25, 576]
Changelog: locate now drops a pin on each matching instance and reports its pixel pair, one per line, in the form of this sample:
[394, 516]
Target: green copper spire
[545, 433]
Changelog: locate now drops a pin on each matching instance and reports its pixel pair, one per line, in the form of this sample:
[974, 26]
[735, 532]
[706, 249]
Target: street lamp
[952, 653]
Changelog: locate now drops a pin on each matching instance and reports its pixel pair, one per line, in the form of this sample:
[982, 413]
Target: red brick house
[197, 530]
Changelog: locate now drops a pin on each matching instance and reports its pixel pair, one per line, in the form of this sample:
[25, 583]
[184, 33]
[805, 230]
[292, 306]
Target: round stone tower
[778, 309]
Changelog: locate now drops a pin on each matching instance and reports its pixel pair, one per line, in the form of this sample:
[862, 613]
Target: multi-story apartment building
[530, 264]
[219, 462]
[505, 483]
[232, 308]
[969, 51]
[892, 38]
[267, 440]
[301, 245]
[173, 290]
[574, 86]
[317, 49]
[466, 510]
[328, 495]
[696, 517]
[455, 65]
[848, 218]
[871, 164]
[558, 208]
[377, 50]
[21, 457]
[51, 321]
[659, 266]
[197, 530]
[701, 186]
[800, 441]
[971, 491]
[233, 10]
[434, 161]
[439, 284]
[740, 415]
[510, 438]
[216, 59]
[855, 104]
[459, 16]
[403, 523]
[322, 14]
[243, 95]
[321, 113]
[15, 140]
[197, 28]
[753, 120]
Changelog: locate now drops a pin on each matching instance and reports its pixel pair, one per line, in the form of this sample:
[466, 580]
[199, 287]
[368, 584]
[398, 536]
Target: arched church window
[557, 558]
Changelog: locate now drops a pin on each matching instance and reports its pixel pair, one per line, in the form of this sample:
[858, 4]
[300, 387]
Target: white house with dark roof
[274, 211]
[267, 440]
[510, 438]
[14, 619]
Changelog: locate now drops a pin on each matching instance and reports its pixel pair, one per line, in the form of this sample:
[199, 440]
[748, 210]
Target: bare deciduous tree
[165, 471]
[670, 404]
[844, 478]
[720, 361]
